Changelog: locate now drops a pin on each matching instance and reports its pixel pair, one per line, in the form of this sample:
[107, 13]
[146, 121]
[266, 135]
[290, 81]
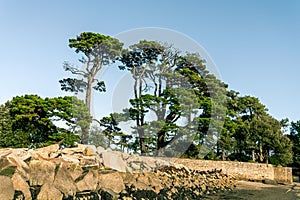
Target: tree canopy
[29, 121]
[177, 108]
[97, 51]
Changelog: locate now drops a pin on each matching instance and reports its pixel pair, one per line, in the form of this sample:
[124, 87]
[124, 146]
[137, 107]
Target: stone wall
[243, 170]
[87, 172]
[283, 174]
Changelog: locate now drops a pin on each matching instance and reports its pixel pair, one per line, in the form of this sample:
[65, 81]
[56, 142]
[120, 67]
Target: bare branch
[74, 70]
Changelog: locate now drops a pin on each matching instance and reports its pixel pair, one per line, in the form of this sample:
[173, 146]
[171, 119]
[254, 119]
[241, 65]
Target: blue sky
[255, 44]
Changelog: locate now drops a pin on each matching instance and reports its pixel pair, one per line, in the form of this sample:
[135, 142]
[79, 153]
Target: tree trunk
[223, 155]
[139, 117]
[160, 139]
[261, 156]
[267, 156]
[253, 155]
[85, 130]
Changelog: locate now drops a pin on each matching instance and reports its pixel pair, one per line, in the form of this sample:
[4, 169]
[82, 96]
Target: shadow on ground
[259, 191]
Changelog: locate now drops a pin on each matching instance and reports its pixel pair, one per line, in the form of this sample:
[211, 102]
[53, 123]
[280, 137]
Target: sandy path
[257, 191]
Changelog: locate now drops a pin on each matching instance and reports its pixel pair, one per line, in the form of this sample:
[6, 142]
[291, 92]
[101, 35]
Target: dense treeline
[177, 108]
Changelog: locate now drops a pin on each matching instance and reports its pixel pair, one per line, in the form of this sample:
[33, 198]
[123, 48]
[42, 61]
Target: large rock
[5, 152]
[149, 161]
[21, 185]
[90, 150]
[79, 172]
[111, 182]
[49, 192]
[64, 182]
[22, 167]
[90, 162]
[21, 153]
[89, 182]
[75, 170]
[41, 171]
[113, 161]
[100, 150]
[6, 167]
[6, 188]
[51, 151]
[75, 150]
[70, 159]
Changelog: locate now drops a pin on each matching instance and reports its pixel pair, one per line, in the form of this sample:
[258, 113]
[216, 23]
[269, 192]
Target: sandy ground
[254, 191]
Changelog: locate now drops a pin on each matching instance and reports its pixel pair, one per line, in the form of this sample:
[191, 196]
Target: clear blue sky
[255, 44]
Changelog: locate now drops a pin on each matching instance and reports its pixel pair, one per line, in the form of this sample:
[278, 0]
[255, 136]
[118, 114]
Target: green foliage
[295, 139]
[175, 88]
[249, 133]
[92, 44]
[191, 152]
[98, 50]
[165, 86]
[28, 121]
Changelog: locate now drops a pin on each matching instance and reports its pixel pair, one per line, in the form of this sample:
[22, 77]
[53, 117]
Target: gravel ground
[257, 191]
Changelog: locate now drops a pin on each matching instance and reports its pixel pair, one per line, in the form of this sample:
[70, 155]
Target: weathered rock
[49, 192]
[90, 162]
[49, 151]
[125, 156]
[111, 182]
[90, 150]
[69, 158]
[161, 163]
[100, 150]
[113, 161]
[70, 151]
[75, 170]
[22, 167]
[135, 166]
[89, 182]
[20, 184]
[6, 188]
[129, 169]
[7, 168]
[88, 172]
[149, 161]
[5, 152]
[142, 182]
[129, 178]
[41, 171]
[22, 153]
[133, 158]
[64, 182]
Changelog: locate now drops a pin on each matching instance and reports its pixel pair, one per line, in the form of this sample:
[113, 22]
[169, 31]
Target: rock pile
[87, 172]
[175, 183]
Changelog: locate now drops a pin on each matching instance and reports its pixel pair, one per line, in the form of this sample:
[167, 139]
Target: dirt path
[257, 191]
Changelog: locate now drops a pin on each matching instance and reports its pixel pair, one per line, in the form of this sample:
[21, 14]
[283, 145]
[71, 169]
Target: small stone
[135, 166]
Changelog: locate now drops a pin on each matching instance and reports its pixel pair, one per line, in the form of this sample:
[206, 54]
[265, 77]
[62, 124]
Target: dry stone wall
[87, 172]
[243, 170]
